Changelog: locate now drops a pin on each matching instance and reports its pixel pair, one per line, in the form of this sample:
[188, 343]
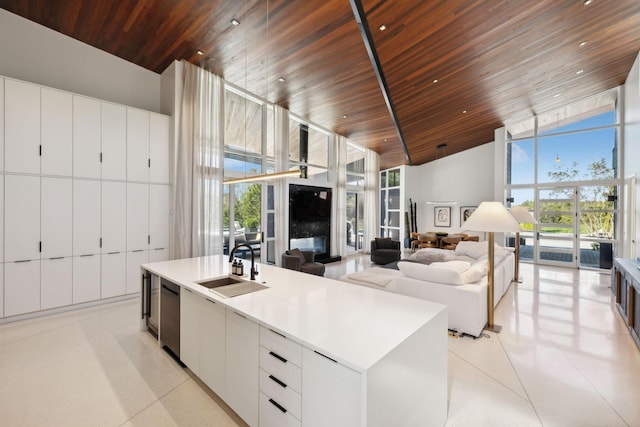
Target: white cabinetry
[86, 217]
[134, 260]
[114, 216]
[56, 282]
[86, 278]
[159, 128]
[22, 218]
[113, 276]
[56, 217]
[159, 207]
[22, 127]
[1, 290]
[86, 137]
[137, 216]
[190, 330]
[333, 393]
[114, 141]
[1, 131]
[137, 145]
[21, 287]
[57, 117]
[241, 391]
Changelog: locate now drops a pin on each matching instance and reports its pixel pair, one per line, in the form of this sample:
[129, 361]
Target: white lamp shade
[491, 216]
[522, 215]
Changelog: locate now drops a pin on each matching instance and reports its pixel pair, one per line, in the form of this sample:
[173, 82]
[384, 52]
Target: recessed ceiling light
[385, 140]
[579, 72]
[583, 44]
[199, 52]
[344, 116]
[235, 22]
[556, 95]
[382, 27]
[281, 79]
[464, 111]
[435, 80]
[587, 2]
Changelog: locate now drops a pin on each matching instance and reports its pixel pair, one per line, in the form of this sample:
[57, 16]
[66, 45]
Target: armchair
[385, 250]
[295, 259]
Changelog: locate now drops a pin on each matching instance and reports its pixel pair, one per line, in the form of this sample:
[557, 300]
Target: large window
[563, 166]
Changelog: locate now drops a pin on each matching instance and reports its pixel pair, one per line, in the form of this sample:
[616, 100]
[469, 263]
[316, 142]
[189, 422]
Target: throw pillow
[297, 253]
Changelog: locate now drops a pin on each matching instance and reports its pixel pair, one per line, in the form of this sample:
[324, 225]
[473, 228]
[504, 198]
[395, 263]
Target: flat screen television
[309, 204]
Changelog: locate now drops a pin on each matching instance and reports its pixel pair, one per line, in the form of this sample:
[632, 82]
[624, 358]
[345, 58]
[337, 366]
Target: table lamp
[491, 217]
[522, 215]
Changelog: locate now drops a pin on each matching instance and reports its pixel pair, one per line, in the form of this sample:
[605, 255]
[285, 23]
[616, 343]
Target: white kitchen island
[312, 351]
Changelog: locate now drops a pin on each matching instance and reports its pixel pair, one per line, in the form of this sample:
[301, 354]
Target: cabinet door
[1, 127]
[22, 127]
[1, 219]
[56, 282]
[56, 217]
[242, 356]
[137, 145]
[22, 218]
[137, 216]
[21, 287]
[113, 276]
[212, 351]
[86, 278]
[134, 260]
[114, 141]
[57, 133]
[190, 330]
[86, 217]
[159, 216]
[159, 148]
[86, 137]
[114, 216]
[1, 290]
[331, 393]
[157, 255]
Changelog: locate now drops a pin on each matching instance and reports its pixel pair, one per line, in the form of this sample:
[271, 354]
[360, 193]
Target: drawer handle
[277, 405]
[280, 383]
[277, 356]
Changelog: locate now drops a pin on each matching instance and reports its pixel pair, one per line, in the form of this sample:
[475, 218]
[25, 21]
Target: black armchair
[298, 260]
[385, 250]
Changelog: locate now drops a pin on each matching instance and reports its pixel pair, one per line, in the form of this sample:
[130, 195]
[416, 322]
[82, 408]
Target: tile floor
[563, 358]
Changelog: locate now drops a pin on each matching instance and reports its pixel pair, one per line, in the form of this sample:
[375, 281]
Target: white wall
[36, 54]
[466, 178]
[631, 151]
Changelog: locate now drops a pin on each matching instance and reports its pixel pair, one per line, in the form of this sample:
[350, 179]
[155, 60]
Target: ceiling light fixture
[556, 95]
[199, 52]
[587, 2]
[281, 79]
[235, 22]
[464, 111]
[579, 72]
[435, 80]
[344, 116]
[382, 27]
[582, 44]
[264, 177]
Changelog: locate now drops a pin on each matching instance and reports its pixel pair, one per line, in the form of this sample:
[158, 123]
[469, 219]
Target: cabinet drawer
[272, 416]
[285, 371]
[285, 396]
[282, 346]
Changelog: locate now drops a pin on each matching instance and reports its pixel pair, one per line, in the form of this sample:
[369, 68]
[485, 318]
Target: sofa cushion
[384, 243]
[297, 253]
[450, 273]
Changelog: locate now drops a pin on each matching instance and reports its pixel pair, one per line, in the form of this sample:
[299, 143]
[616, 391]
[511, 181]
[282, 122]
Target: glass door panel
[597, 225]
[556, 237]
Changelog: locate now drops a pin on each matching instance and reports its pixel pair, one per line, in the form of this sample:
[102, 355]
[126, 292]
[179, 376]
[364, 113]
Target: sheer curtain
[281, 190]
[199, 166]
[338, 230]
[371, 196]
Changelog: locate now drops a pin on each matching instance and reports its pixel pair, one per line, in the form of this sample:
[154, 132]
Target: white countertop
[352, 324]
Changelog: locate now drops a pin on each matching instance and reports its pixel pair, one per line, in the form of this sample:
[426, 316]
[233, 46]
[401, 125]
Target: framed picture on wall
[442, 216]
[465, 213]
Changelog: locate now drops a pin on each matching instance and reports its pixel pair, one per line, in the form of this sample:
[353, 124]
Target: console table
[625, 285]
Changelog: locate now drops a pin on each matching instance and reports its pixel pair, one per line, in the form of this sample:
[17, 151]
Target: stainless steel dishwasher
[170, 316]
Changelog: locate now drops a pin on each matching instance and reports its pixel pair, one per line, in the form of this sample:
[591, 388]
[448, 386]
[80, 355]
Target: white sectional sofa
[457, 279]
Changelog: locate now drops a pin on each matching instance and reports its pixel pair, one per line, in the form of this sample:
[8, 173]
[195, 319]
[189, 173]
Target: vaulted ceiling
[454, 70]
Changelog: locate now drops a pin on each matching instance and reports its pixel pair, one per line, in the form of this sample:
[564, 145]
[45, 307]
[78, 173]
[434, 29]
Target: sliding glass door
[557, 229]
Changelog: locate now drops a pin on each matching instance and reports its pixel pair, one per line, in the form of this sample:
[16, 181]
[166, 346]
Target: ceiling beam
[365, 32]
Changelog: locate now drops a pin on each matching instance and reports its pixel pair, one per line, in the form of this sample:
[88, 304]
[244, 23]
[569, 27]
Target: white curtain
[371, 196]
[338, 229]
[281, 186]
[198, 172]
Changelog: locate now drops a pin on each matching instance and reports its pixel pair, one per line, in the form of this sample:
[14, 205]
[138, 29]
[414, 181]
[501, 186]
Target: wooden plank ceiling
[495, 61]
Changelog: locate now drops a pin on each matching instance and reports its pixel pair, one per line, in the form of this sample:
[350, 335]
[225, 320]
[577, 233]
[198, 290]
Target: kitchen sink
[230, 287]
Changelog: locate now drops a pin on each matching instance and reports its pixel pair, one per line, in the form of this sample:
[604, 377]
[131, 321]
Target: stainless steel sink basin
[230, 287]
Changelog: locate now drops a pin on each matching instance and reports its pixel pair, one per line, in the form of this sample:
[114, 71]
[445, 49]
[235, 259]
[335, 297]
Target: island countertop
[352, 324]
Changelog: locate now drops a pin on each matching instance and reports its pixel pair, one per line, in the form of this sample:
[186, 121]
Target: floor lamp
[522, 215]
[491, 217]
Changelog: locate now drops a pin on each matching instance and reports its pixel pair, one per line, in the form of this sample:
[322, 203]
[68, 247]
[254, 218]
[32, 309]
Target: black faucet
[254, 270]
